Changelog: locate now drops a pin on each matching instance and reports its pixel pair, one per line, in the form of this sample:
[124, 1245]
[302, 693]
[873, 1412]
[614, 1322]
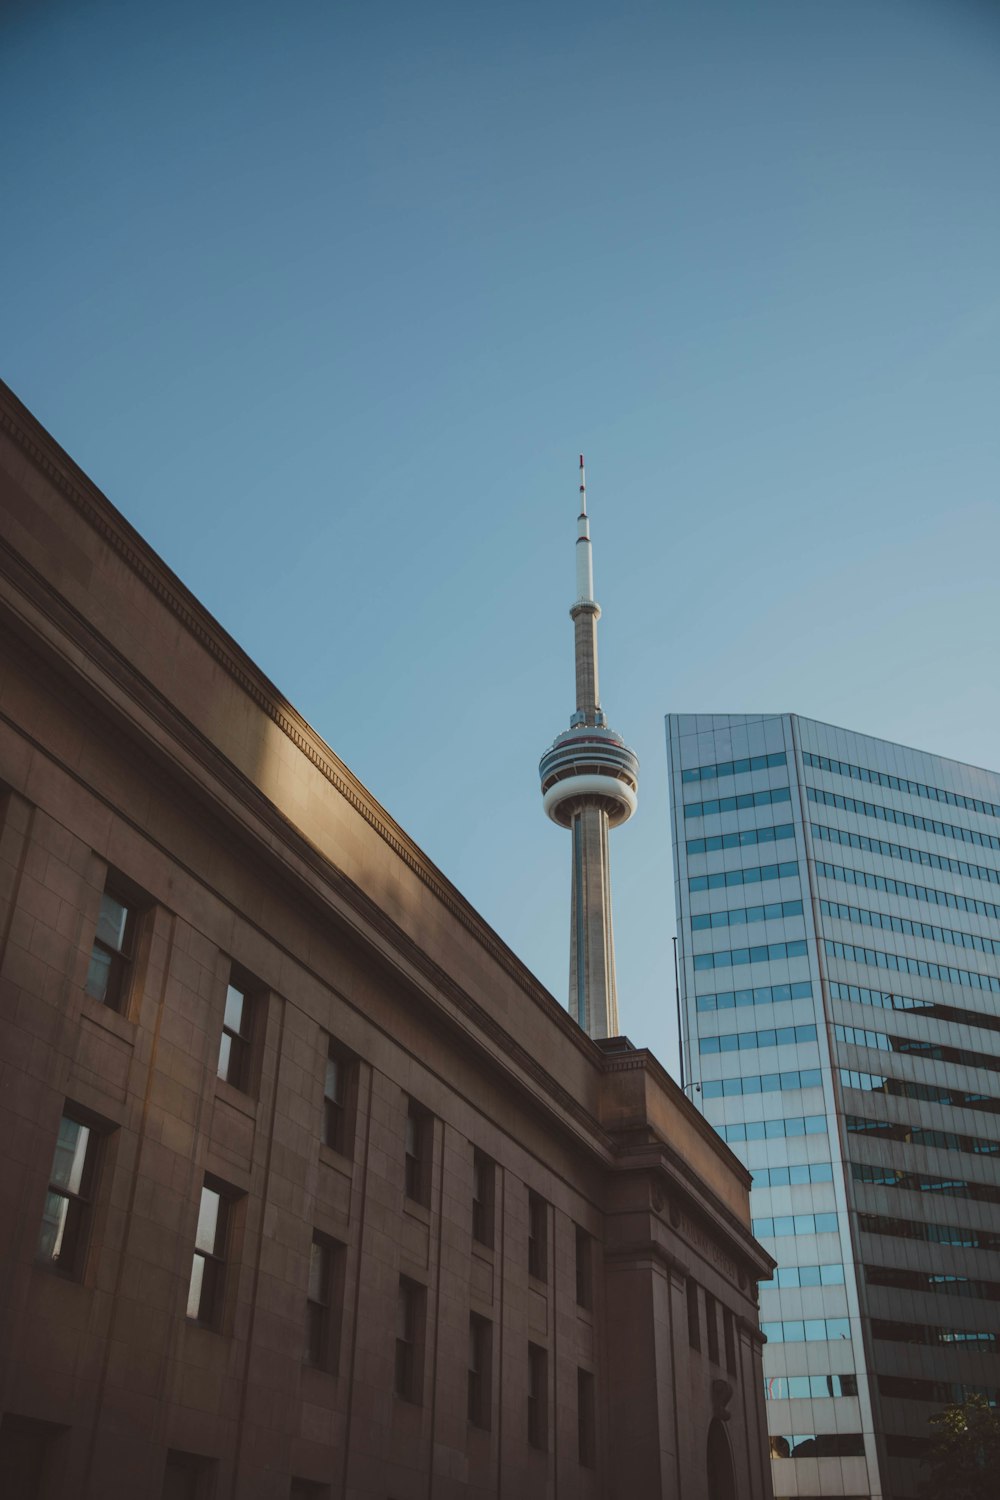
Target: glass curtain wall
[838, 905]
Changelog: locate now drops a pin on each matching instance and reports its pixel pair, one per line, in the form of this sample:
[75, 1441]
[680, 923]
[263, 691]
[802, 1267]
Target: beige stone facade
[427, 1239]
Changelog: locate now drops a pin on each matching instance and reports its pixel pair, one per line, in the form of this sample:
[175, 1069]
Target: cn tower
[590, 781]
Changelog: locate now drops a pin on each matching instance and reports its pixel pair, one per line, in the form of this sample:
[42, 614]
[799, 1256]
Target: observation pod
[593, 763]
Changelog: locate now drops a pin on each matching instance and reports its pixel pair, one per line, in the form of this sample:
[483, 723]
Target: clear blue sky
[327, 297]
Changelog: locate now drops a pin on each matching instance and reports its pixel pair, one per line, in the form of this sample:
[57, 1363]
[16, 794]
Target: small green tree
[964, 1463]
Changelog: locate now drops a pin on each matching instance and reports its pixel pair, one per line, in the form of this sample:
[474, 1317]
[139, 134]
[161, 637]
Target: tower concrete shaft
[589, 785]
[593, 989]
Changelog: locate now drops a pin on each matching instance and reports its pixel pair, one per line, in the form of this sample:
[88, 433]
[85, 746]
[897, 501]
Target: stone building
[308, 1187]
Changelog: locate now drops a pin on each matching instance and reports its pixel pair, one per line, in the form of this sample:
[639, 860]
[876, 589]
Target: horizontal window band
[752, 875]
[762, 1083]
[908, 927]
[850, 840]
[920, 1182]
[762, 994]
[878, 958]
[738, 1041]
[882, 1041]
[965, 1238]
[776, 1129]
[906, 888]
[763, 953]
[900, 1088]
[743, 839]
[735, 767]
[718, 805]
[900, 784]
[919, 1135]
[905, 819]
[887, 1000]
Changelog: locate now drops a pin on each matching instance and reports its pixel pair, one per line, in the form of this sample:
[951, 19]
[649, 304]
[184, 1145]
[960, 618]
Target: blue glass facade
[848, 1053]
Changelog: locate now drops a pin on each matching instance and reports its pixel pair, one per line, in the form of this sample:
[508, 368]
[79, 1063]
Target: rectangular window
[27, 1451]
[538, 1237]
[584, 1269]
[729, 1339]
[694, 1318]
[206, 1292]
[65, 1229]
[538, 1396]
[338, 1084]
[323, 1302]
[586, 1422]
[480, 1369]
[187, 1476]
[236, 1042]
[712, 1327]
[109, 973]
[483, 1189]
[419, 1145]
[410, 1310]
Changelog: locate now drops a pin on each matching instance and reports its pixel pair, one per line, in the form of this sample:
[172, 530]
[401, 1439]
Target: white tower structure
[589, 782]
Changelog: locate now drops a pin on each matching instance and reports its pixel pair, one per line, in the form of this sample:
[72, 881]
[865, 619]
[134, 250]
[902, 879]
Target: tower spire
[589, 784]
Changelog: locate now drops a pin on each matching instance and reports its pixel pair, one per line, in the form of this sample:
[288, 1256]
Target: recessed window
[483, 1186]
[712, 1327]
[584, 1269]
[480, 1362]
[419, 1144]
[729, 1339]
[323, 1302]
[338, 1084]
[206, 1290]
[538, 1396]
[308, 1489]
[65, 1229]
[236, 1042]
[538, 1237]
[694, 1317]
[109, 973]
[586, 1420]
[187, 1476]
[28, 1450]
[410, 1305]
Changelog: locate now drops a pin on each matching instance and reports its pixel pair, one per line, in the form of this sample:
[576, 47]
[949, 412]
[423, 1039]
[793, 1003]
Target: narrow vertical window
[337, 1088]
[410, 1306]
[237, 1037]
[584, 1269]
[62, 1240]
[694, 1319]
[712, 1327]
[419, 1139]
[538, 1396]
[206, 1290]
[586, 1419]
[538, 1237]
[480, 1362]
[729, 1338]
[109, 973]
[483, 1180]
[323, 1302]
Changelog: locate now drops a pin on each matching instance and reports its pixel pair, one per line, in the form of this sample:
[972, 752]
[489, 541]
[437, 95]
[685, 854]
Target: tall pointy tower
[589, 784]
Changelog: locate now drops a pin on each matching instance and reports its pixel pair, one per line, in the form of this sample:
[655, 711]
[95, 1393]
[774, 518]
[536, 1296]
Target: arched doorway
[721, 1475]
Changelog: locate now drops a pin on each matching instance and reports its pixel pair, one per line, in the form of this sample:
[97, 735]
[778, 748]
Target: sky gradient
[327, 298]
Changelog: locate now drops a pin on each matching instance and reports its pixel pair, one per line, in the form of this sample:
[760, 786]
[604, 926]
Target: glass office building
[838, 905]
